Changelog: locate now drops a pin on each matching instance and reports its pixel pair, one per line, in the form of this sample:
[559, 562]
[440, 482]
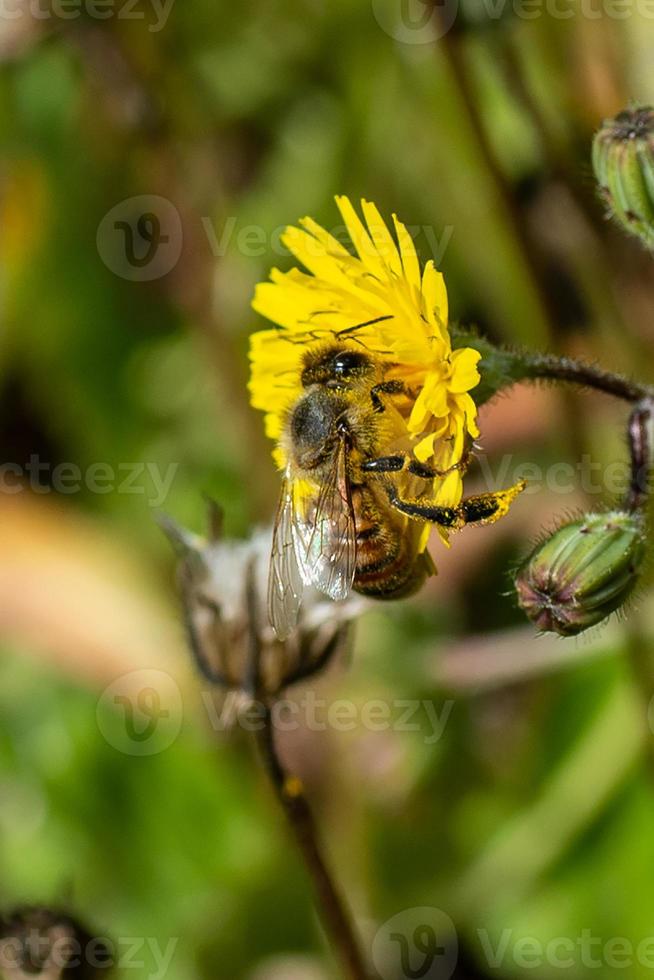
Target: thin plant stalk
[450, 47]
[548, 366]
[335, 915]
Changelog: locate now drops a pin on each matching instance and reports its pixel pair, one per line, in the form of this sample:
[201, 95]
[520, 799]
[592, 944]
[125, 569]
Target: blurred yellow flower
[404, 316]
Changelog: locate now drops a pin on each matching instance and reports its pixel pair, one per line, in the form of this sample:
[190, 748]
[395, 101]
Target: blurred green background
[533, 814]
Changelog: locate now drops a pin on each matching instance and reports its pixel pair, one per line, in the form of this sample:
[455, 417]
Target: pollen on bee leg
[486, 508]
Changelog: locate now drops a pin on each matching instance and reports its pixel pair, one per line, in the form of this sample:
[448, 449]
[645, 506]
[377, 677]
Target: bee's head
[335, 367]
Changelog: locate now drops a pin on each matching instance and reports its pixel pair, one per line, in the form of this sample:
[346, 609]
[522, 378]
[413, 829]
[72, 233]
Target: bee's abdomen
[390, 578]
[387, 565]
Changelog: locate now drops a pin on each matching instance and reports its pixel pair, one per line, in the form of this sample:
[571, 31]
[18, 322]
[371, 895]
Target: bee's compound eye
[347, 362]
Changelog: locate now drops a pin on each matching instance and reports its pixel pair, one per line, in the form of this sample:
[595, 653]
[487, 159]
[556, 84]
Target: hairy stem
[585, 375]
[640, 454]
[501, 367]
[335, 915]
[636, 500]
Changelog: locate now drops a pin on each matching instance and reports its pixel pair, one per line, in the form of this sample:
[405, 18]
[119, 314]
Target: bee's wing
[326, 542]
[284, 577]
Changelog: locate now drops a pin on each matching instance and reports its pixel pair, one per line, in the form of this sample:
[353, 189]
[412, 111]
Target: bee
[354, 529]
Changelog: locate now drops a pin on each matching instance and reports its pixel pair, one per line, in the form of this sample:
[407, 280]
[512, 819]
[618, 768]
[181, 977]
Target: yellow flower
[401, 316]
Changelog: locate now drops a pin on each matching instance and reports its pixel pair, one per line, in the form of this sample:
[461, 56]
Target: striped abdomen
[388, 566]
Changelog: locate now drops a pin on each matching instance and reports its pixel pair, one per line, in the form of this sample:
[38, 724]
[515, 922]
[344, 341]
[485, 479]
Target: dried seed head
[623, 160]
[37, 942]
[582, 573]
[223, 584]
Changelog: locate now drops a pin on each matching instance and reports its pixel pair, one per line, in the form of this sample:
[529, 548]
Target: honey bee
[356, 530]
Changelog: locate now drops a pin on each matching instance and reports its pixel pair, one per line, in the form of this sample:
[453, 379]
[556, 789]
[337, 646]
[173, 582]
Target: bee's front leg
[404, 462]
[385, 388]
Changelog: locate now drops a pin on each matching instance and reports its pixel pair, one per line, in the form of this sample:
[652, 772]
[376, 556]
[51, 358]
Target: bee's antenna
[360, 326]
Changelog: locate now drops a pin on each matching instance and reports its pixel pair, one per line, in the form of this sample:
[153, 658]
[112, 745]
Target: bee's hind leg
[484, 508]
[444, 516]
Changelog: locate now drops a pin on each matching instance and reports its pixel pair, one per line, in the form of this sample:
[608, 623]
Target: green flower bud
[582, 573]
[623, 160]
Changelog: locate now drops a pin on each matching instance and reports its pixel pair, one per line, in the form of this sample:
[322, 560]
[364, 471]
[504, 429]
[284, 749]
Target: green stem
[639, 650]
[451, 47]
[502, 367]
[335, 915]
[640, 455]
[549, 366]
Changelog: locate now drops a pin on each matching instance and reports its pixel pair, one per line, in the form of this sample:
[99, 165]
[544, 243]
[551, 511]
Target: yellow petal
[329, 243]
[423, 540]
[432, 400]
[444, 536]
[314, 256]
[450, 490]
[360, 238]
[419, 413]
[424, 449]
[278, 305]
[464, 369]
[467, 408]
[435, 295]
[410, 262]
[382, 237]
